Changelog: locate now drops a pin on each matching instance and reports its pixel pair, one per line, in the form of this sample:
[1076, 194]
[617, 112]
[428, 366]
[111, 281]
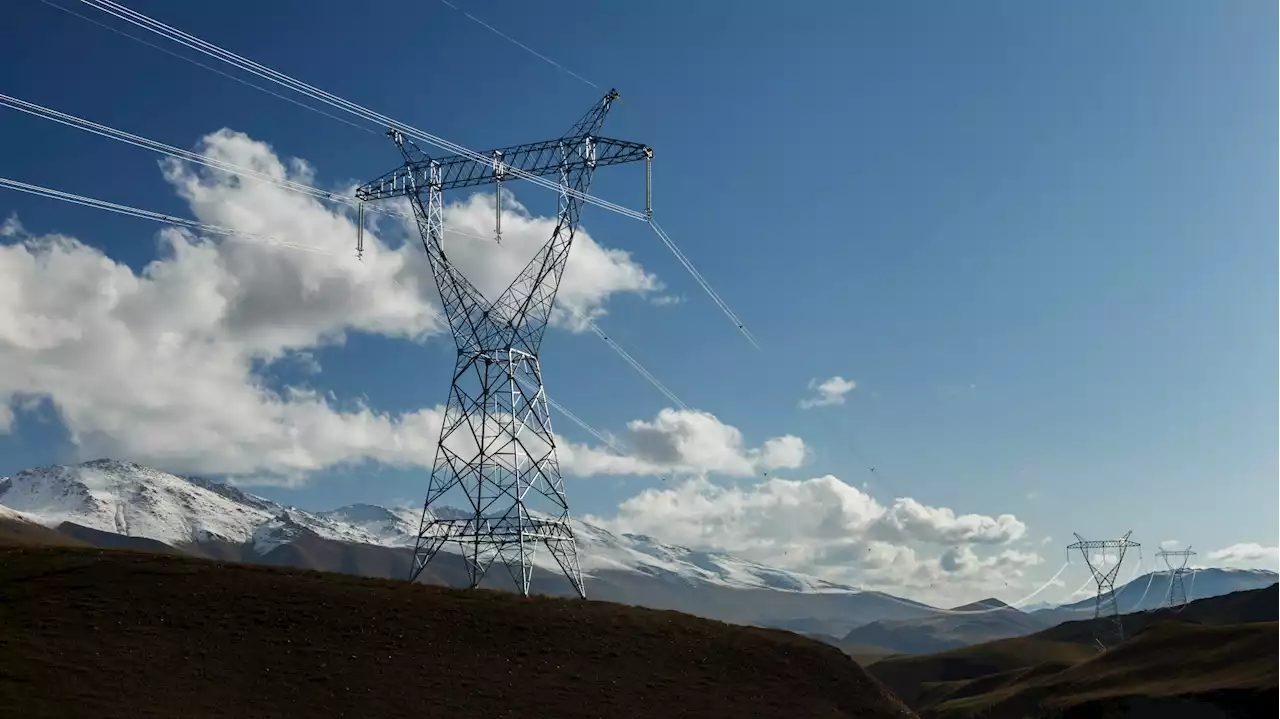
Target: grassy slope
[87, 632]
[1230, 666]
[1199, 655]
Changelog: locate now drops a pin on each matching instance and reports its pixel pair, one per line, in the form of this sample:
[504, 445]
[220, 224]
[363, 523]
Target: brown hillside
[916, 679]
[1202, 670]
[1195, 663]
[20, 532]
[94, 633]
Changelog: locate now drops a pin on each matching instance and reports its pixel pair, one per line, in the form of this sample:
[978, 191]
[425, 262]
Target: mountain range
[991, 619]
[109, 503]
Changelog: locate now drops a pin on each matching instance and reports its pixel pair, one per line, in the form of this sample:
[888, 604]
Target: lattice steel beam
[1177, 596]
[1108, 625]
[496, 442]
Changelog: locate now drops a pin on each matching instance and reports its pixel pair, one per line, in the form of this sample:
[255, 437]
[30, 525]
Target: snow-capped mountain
[14, 515]
[1151, 591]
[137, 501]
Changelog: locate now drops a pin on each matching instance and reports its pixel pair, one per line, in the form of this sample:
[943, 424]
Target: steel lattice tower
[1177, 588]
[496, 442]
[1108, 625]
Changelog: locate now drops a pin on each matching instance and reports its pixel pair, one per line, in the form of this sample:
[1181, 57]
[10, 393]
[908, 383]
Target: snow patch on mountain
[13, 515]
[385, 527]
[277, 531]
[139, 501]
[129, 499]
[600, 549]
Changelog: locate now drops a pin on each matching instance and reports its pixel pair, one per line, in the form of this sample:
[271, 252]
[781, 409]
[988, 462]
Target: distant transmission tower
[1108, 626]
[496, 442]
[1177, 588]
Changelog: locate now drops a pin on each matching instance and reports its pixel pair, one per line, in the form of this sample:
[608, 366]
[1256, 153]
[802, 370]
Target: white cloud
[685, 442]
[165, 365]
[1246, 556]
[830, 391]
[1169, 543]
[11, 227]
[940, 525]
[832, 529]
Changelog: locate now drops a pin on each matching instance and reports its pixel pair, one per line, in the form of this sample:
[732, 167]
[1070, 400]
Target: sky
[1009, 266]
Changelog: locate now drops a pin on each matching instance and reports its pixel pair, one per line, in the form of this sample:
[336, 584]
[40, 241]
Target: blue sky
[1040, 238]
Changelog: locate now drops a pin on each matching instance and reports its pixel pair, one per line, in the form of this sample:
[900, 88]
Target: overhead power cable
[519, 44]
[593, 431]
[79, 123]
[210, 68]
[636, 365]
[167, 31]
[149, 215]
[140, 20]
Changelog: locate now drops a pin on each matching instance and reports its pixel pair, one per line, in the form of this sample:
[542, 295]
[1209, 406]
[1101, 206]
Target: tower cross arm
[1104, 544]
[546, 158]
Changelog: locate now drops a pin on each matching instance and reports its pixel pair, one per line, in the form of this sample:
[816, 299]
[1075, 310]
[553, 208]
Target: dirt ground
[110, 633]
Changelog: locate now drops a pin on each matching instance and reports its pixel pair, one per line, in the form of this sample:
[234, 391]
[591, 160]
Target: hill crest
[286, 642]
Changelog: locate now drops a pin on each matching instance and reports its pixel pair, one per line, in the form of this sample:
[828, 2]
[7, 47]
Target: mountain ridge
[104, 502]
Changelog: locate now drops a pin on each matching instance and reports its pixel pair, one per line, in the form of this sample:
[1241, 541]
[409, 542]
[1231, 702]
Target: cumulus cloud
[828, 392]
[1245, 556]
[685, 442]
[827, 527]
[165, 364]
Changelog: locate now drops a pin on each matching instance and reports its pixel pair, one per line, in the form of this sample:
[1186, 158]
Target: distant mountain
[988, 619]
[1151, 591]
[944, 629]
[121, 504]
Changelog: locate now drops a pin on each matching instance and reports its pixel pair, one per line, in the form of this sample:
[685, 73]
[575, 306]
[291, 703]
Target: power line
[519, 44]
[637, 366]
[706, 286]
[169, 32]
[197, 63]
[149, 215]
[593, 431]
[112, 133]
[120, 12]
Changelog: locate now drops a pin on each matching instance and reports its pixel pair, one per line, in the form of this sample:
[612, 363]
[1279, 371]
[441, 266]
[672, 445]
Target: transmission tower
[1108, 626]
[1177, 588]
[496, 443]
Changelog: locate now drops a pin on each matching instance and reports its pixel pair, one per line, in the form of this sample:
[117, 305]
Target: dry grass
[105, 633]
[1193, 664]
